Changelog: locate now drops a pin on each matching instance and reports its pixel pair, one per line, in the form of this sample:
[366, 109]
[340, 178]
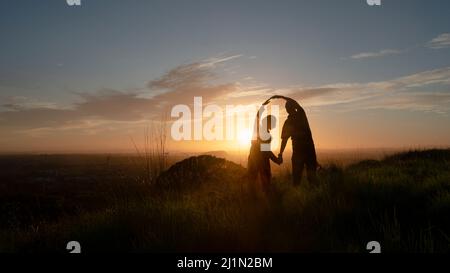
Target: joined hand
[280, 158]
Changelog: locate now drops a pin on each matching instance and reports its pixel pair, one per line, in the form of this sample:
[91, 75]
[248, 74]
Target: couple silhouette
[296, 128]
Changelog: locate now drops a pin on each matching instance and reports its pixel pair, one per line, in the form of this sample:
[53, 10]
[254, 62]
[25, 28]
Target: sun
[244, 137]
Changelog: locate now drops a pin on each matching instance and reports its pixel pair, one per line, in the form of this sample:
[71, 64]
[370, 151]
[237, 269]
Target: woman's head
[269, 122]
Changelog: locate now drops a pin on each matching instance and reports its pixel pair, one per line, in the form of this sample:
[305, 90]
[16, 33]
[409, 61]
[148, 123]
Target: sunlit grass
[403, 203]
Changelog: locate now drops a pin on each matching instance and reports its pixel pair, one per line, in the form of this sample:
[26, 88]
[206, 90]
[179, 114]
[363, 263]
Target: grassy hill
[205, 204]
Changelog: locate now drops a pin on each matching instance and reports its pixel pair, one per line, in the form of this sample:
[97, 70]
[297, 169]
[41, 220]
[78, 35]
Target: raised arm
[284, 98]
[275, 97]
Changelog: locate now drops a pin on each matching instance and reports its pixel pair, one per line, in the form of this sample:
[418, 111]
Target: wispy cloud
[442, 41]
[116, 107]
[424, 91]
[23, 103]
[211, 62]
[189, 75]
[118, 111]
[377, 54]
[181, 84]
[107, 105]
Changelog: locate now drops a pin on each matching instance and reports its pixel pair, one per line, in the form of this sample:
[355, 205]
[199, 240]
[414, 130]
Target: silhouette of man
[297, 128]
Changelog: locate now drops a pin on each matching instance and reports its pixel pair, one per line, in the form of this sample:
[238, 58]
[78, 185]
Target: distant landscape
[120, 203]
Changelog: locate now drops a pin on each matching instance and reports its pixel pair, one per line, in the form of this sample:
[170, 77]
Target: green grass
[205, 204]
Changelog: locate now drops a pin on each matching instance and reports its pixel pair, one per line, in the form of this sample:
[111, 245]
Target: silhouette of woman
[259, 158]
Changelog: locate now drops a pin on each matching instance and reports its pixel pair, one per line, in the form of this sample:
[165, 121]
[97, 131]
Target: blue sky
[389, 64]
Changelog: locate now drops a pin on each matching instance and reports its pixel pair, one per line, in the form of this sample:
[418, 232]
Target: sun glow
[244, 137]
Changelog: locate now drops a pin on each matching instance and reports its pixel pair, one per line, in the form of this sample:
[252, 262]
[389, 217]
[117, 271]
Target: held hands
[280, 159]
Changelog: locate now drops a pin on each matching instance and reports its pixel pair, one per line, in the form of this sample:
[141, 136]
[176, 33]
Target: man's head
[291, 108]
